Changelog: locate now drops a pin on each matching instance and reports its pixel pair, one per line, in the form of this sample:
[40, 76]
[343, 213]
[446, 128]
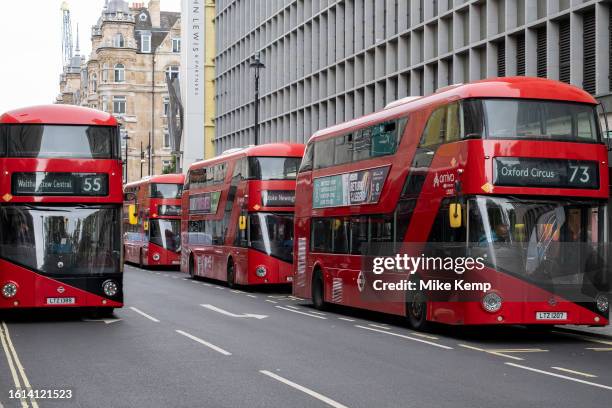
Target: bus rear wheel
[318, 291]
[231, 274]
[416, 311]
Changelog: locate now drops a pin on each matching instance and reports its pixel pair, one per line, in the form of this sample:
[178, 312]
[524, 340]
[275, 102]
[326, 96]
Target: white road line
[346, 319]
[206, 284]
[235, 291]
[194, 281]
[140, 312]
[252, 296]
[219, 287]
[9, 359]
[599, 348]
[495, 353]
[188, 279]
[380, 327]
[20, 368]
[271, 301]
[293, 297]
[303, 313]
[293, 307]
[575, 372]
[319, 313]
[431, 343]
[583, 337]
[205, 343]
[535, 370]
[305, 390]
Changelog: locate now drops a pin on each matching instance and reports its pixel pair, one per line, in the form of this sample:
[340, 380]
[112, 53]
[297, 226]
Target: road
[185, 343]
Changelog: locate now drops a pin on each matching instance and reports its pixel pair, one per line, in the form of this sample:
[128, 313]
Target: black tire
[191, 267]
[231, 273]
[416, 311]
[318, 291]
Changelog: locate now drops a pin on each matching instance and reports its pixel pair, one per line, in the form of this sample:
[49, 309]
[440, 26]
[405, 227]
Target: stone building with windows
[134, 49]
[329, 61]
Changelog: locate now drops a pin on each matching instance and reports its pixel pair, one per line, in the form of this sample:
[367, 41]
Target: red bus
[237, 221]
[152, 235]
[509, 171]
[60, 214]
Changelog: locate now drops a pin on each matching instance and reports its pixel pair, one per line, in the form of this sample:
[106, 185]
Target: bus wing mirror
[132, 214]
[146, 225]
[242, 222]
[454, 215]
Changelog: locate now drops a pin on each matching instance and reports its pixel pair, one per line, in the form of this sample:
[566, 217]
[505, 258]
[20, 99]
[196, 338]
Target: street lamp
[124, 136]
[257, 65]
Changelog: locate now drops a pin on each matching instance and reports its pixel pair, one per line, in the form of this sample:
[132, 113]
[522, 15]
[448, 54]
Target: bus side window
[453, 123]
[307, 160]
[321, 240]
[324, 153]
[384, 139]
[359, 233]
[434, 130]
[340, 230]
[343, 149]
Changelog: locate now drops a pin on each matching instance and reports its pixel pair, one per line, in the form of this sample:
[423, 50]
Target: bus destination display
[64, 184]
[529, 172]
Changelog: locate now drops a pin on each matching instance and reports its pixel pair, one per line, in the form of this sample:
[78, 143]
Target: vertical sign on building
[192, 80]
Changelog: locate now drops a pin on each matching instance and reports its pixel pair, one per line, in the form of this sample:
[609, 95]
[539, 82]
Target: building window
[145, 43]
[166, 106]
[94, 83]
[166, 139]
[166, 164]
[119, 107]
[118, 41]
[119, 73]
[172, 72]
[105, 104]
[176, 45]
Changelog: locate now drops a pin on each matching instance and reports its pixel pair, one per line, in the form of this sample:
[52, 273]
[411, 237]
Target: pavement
[180, 342]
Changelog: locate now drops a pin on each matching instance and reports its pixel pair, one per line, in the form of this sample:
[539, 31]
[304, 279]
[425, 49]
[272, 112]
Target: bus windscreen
[58, 141]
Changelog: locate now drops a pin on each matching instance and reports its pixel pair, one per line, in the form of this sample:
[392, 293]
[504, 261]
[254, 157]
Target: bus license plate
[61, 301]
[551, 315]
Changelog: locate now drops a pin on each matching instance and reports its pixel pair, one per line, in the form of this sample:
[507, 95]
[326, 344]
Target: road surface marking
[225, 312]
[293, 297]
[379, 326]
[205, 343]
[157, 273]
[175, 277]
[305, 390]
[303, 313]
[235, 291]
[583, 337]
[424, 335]
[406, 337]
[194, 281]
[574, 372]
[319, 313]
[346, 319]
[166, 275]
[527, 350]
[6, 336]
[252, 296]
[219, 287]
[206, 284]
[293, 307]
[599, 348]
[107, 321]
[271, 301]
[495, 353]
[535, 370]
[140, 312]
[9, 359]
[188, 279]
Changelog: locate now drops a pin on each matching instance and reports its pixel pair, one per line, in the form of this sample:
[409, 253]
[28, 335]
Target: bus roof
[160, 179]
[58, 115]
[269, 149]
[503, 87]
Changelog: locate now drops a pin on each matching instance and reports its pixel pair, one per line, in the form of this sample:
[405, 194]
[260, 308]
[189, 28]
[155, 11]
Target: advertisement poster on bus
[361, 187]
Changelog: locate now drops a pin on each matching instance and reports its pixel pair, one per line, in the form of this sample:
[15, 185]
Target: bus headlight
[110, 288]
[261, 271]
[156, 257]
[9, 290]
[602, 303]
[491, 302]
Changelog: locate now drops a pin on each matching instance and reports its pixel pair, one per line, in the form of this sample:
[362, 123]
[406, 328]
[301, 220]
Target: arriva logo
[443, 179]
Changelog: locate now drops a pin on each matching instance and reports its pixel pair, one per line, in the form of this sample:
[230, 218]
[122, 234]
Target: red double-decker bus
[60, 214]
[237, 219]
[152, 220]
[510, 172]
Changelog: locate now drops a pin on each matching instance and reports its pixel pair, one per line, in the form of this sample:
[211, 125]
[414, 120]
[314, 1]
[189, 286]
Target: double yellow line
[17, 371]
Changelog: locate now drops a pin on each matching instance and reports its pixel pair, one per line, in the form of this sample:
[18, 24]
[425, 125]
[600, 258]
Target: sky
[31, 52]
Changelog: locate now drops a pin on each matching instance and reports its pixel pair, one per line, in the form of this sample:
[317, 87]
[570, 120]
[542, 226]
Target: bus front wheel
[318, 291]
[416, 311]
[231, 273]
